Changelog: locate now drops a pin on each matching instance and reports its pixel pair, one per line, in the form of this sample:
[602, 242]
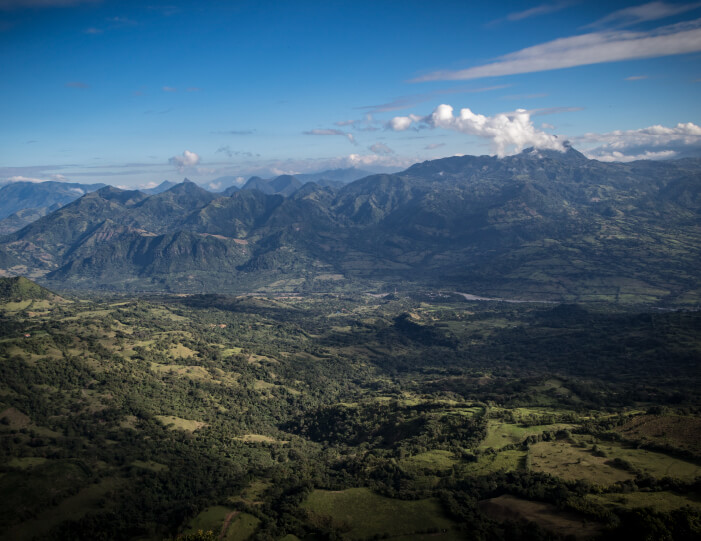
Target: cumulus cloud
[646, 12]
[653, 142]
[185, 160]
[347, 135]
[585, 49]
[508, 132]
[381, 148]
[401, 123]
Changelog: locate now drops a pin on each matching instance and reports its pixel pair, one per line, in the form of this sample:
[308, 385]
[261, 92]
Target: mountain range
[24, 202]
[539, 225]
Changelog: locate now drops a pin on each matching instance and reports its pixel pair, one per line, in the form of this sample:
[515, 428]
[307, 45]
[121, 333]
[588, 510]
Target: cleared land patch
[564, 460]
[500, 434]
[653, 463]
[360, 513]
[547, 516]
[488, 463]
[258, 438]
[436, 460]
[680, 432]
[659, 501]
[173, 422]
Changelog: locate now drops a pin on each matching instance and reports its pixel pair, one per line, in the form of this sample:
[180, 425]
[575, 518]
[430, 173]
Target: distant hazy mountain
[537, 225]
[284, 185]
[332, 177]
[162, 187]
[220, 184]
[343, 176]
[18, 196]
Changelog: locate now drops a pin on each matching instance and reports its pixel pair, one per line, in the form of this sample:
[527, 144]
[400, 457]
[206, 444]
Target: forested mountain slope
[540, 224]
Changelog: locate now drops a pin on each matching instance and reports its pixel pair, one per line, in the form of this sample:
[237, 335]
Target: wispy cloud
[169, 89]
[93, 30]
[651, 11]
[185, 160]
[635, 78]
[405, 102]
[231, 153]
[542, 9]
[585, 49]
[508, 132]
[234, 132]
[554, 110]
[347, 135]
[77, 84]
[381, 149]
[367, 123]
[434, 146]
[193, 89]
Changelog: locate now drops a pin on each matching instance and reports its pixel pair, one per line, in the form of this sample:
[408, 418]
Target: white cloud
[381, 148]
[635, 78]
[347, 135]
[617, 156]
[187, 159]
[401, 123]
[651, 11]
[20, 178]
[36, 180]
[585, 49]
[542, 9]
[508, 132]
[653, 142]
[169, 89]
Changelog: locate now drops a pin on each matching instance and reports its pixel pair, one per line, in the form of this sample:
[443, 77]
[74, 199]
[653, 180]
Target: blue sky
[133, 93]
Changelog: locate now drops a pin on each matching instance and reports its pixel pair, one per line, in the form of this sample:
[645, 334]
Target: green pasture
[360, 513]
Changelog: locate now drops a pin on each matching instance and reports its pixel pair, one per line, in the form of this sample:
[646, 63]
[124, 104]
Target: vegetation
[418, 415]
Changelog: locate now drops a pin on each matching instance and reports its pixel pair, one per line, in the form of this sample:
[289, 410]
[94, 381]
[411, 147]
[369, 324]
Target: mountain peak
[20, 288]
[569, 154]
[186, 186]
